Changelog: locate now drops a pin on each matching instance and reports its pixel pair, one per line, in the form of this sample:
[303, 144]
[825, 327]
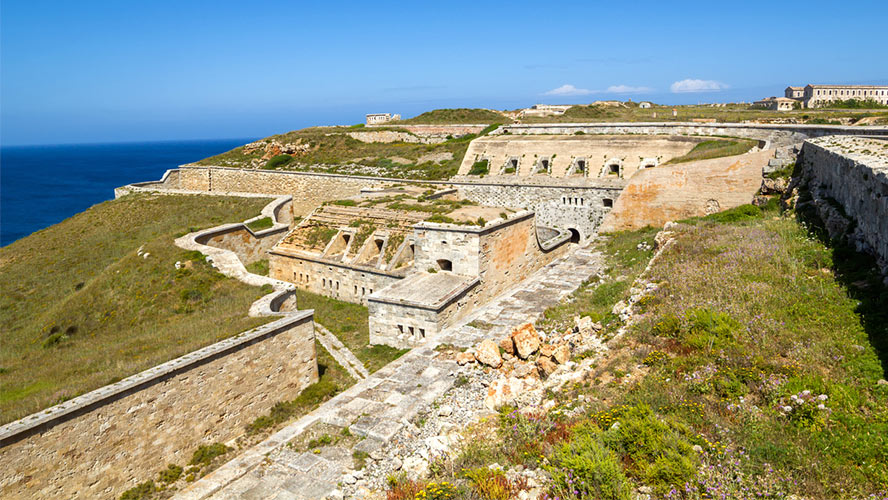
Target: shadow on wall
[859, 274]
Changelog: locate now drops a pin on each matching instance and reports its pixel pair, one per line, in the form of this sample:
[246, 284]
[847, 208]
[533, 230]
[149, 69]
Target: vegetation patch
[456, 116]
[260, 224]
[350, 323]
[716, 148]
[82, 300]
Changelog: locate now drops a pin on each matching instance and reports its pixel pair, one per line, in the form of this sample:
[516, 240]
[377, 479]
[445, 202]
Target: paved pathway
[378, 406]
[340, 353]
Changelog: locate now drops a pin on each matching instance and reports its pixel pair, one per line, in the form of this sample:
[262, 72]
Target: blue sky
[93, 71]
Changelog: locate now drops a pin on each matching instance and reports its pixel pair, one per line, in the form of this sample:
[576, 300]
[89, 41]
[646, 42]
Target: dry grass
[715, 148]
[81, 309]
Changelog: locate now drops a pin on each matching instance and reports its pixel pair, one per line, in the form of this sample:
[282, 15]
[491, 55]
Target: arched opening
[608, 203]
[378, 245]
[613, 169]
[445, 265]
[574, 235]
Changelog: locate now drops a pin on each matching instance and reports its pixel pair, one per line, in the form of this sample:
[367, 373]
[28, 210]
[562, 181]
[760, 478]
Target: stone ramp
[377, 407]
[341, 353]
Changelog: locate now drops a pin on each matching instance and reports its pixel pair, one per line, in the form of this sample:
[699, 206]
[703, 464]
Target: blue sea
[43, 185]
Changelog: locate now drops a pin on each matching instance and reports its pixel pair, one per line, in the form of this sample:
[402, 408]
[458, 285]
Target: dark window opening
[608, 203]
[445, 265]
[614, 169]
[378, 245]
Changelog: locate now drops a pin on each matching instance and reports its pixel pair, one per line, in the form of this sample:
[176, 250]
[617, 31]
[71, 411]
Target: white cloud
[568, 89]
[691, 85]
[628, 89]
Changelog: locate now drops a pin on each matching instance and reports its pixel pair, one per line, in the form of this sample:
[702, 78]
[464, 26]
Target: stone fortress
[502, 240]
[815, 96]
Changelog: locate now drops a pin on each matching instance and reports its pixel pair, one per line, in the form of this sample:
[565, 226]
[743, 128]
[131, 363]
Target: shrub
[480, 168]
[143, 490]
[344, 203]
[206, 453]
[491, 484]
[584, 468]
[170, 474]
[277, 162]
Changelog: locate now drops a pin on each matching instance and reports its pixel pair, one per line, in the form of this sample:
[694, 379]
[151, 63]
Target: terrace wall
[104, 442]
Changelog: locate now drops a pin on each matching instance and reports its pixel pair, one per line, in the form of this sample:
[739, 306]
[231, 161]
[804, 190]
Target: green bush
[206, 453]
[480, 168]
[585, 468]
[139, 492]
[170, 474]
[277, 162]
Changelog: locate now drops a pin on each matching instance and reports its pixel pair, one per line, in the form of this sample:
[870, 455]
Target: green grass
[751, 309]
[349, 322]
[456, 116]
[334, 151]
[630, 112]
[716, 148]
[260, 224]
[81, 309]
[259, 267]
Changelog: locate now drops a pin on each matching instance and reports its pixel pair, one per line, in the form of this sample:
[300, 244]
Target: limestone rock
[523, 369]
[561, 354]
[507, 345]
[526, 340]
[774, 186]
[547, 350]
[445, 411]
[584, 324]
[488, 354]
[503, 391]
[546, 366]
[464, 358]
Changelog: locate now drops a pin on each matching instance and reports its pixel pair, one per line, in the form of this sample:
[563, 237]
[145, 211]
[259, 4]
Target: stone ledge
[14, 431]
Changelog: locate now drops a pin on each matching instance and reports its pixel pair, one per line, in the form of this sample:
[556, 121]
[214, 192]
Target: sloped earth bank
[737, 366]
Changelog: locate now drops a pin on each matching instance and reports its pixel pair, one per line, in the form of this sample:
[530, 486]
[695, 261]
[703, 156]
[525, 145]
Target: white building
[378, 118]
[816, 96]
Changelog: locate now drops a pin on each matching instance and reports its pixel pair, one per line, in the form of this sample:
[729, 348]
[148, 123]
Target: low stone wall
[247, 245]
[775, 135]
[581, 208]
[104, 442]
[346, 282]
[851, 173]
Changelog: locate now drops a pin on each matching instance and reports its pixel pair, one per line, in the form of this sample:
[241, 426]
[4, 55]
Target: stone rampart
[851, 173]
[774, 135]
[104, 442]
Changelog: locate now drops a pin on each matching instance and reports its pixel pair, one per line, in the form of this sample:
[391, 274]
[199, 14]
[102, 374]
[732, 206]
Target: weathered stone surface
[774, 186]
[204, 397]
[488, 353]
[507, 345]
[547, 350]
[526, 340]
[503, 391]
[562, 354]
[464, 358]
[546, 366]
[523, 369]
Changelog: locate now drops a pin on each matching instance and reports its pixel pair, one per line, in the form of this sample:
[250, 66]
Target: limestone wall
[564, 207]
[339, 281]
[774, 135]
[247, 245]
[852, 172]
[574, 155]
[104, 442]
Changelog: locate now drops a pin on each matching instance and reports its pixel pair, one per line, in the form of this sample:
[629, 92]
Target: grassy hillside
[458, 115]
[752, 373]
[333, 150]
[630, 112]
[81, 308]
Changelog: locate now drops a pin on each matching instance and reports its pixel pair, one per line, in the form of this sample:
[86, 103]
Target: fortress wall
[854, 173]
[309, 190]
[629, 152]
[248, 246]
[104, 442]
[775, 135]
[563, 207]
[343, 282]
